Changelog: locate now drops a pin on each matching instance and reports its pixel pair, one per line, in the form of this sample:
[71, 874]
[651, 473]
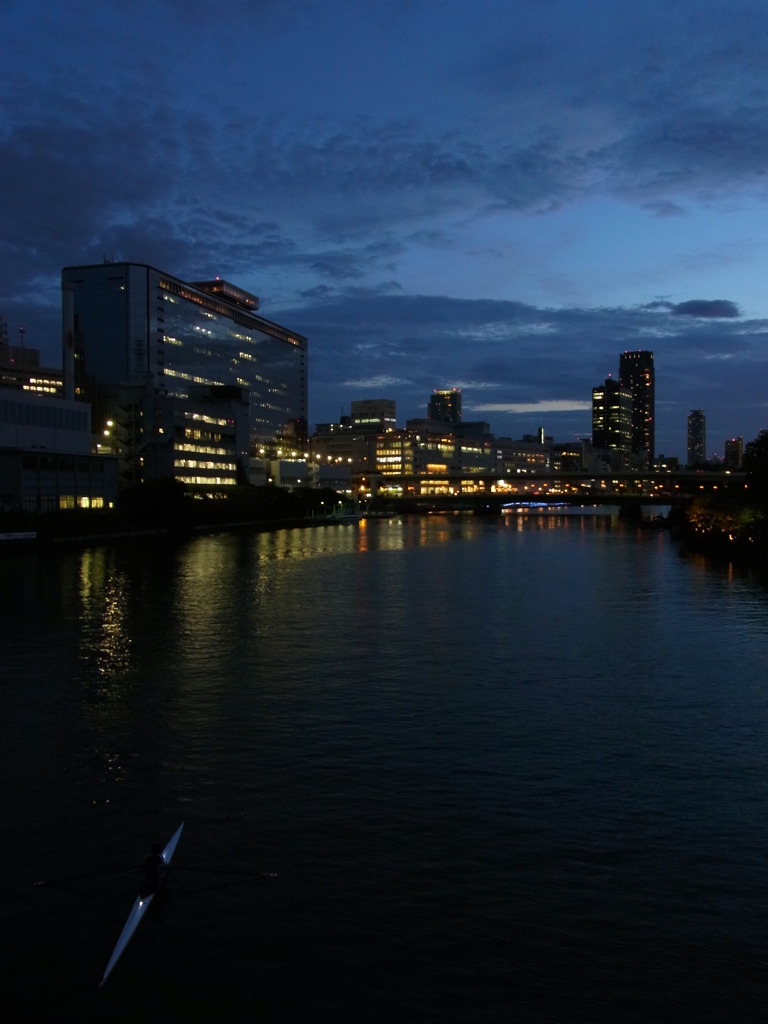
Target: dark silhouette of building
[20, 368]
[445, 406]
[734, 453]
[637, 374]
[697, 437]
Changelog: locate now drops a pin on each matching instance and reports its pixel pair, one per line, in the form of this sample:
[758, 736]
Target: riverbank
[169, 509]
[723, 528]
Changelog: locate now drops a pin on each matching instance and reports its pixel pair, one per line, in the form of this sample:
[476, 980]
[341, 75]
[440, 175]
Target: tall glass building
[612, 417]
[128, 326]
[636, 373]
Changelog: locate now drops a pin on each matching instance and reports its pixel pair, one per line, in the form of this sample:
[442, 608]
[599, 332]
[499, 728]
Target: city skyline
[493, 198]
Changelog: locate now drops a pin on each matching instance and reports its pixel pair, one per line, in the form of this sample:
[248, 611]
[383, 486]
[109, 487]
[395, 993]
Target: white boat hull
[139, 909]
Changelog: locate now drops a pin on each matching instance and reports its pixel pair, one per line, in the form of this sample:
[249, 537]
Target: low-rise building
[45, 455]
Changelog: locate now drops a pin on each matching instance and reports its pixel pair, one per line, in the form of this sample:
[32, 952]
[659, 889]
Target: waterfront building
[445, 406]
[427, 453]
[520, 457]
[697, 437]
[636, 372]
[612, 418]
[132, 330]
[200, 440]
[356, 450]
[343, 444]
[45, 455]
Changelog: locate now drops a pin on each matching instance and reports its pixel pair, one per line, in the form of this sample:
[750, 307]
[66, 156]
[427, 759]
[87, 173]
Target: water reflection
[214, 637]
[105, 647]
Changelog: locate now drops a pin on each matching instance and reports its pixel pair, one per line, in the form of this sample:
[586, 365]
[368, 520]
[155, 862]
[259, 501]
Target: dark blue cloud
[343, 160]
[703, 309]
[509, 354]
[707, 309]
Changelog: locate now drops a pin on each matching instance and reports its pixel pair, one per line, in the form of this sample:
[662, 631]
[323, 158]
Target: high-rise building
[697, 437]
[129, 327]
[445, 406]
[636, 373]
[734, 452]
[612, 417]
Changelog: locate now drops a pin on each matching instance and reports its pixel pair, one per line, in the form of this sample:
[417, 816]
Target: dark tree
[756, 467]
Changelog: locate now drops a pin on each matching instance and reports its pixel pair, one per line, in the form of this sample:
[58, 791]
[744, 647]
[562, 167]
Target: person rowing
[154, 872]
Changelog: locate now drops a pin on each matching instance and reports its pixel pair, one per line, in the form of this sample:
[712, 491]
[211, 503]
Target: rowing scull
[140, 908]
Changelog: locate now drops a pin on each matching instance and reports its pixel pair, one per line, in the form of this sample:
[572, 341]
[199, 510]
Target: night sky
[497, 196]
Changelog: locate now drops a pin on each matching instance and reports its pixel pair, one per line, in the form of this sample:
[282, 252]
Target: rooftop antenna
[21, 335]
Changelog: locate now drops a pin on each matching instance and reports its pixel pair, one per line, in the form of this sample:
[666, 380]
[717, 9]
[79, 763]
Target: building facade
[445, 406]
[420, 453]
[697, 437]
[374, 415]
[636, 372]
[344, 446]
[130, 328]
[733, 457]
[526, 456]
[612, 417]
[20, 368]
[199, 440]
[45, 455]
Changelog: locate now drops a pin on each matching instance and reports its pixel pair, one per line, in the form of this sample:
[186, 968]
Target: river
[431, 769]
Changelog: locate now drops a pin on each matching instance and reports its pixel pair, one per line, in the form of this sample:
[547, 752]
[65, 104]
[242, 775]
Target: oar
[235, 877]
[225, 871]
[85, 875]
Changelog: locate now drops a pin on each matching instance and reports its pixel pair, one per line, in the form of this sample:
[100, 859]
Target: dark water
[438, 769]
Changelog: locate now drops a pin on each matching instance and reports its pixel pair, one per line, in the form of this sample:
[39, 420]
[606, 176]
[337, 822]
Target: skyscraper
[734, 452]
[697, 437]
[612, 417]
[445, 406]
[636, 373]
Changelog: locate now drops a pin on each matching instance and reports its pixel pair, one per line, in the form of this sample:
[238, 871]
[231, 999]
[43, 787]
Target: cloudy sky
[496, 195]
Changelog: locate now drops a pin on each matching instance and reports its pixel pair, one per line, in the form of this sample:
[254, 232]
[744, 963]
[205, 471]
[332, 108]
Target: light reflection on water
[104, 628]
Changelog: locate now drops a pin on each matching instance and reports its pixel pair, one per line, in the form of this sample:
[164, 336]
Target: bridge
[456, 492]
